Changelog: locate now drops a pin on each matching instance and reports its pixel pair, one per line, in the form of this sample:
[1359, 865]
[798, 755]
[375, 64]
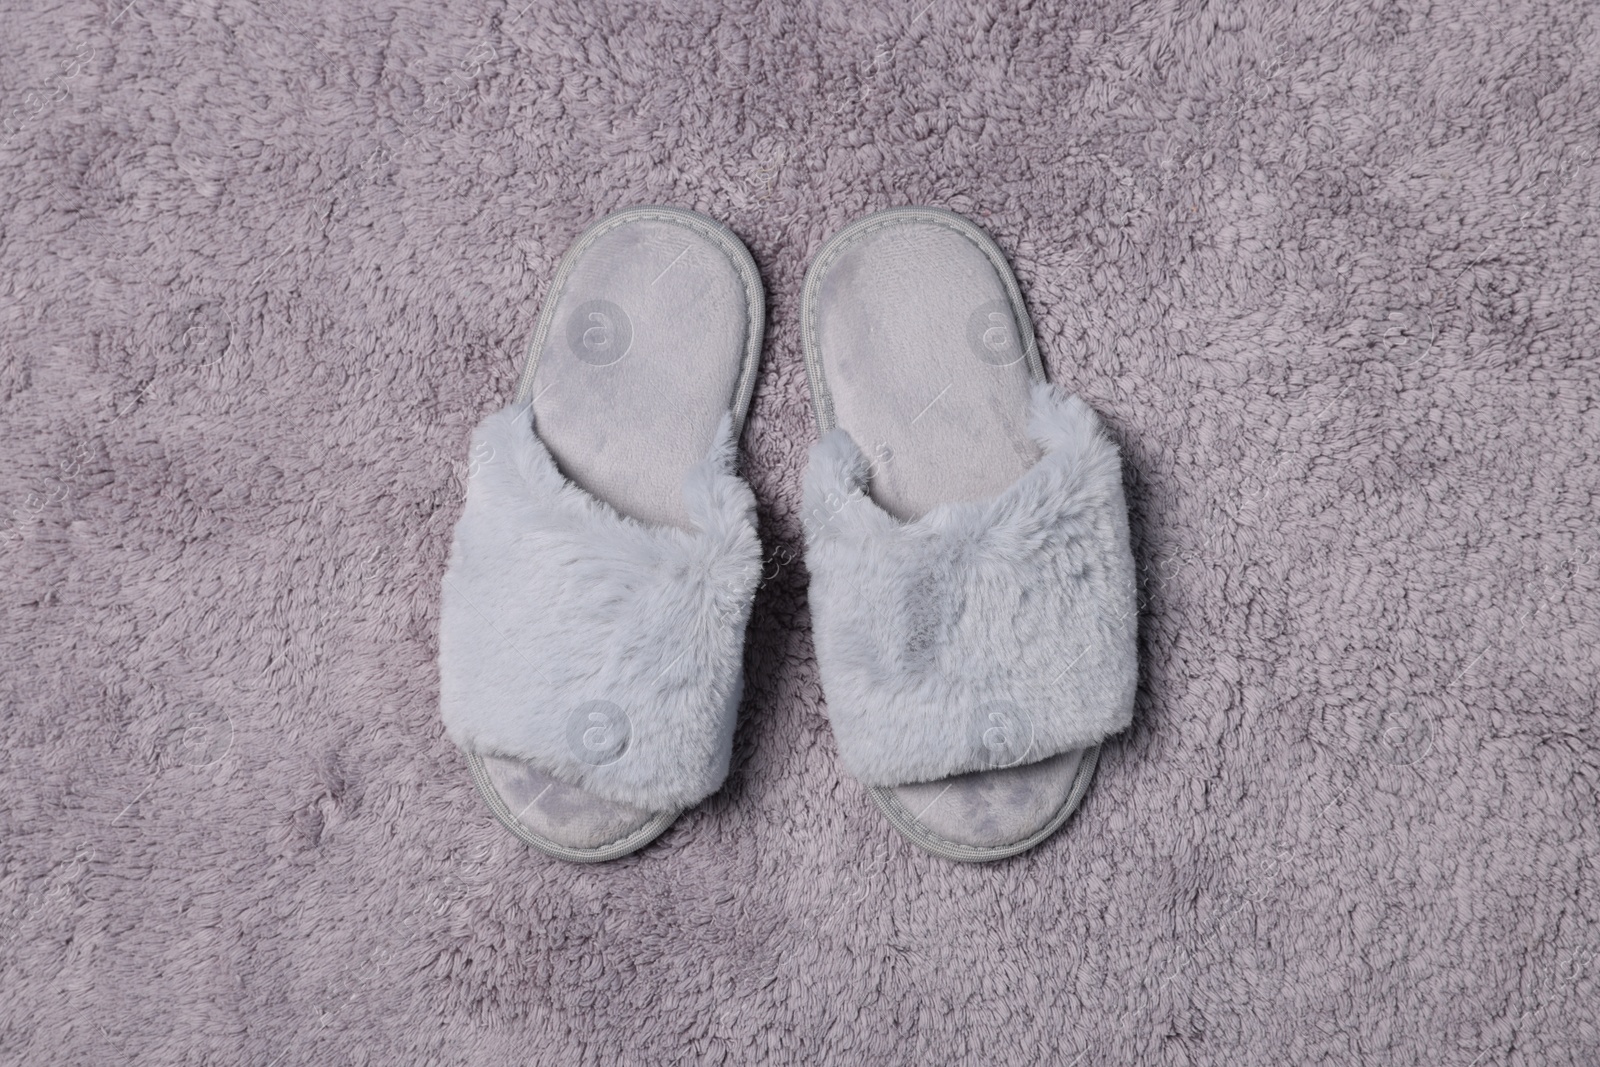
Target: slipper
[972, 587]
[601, 575]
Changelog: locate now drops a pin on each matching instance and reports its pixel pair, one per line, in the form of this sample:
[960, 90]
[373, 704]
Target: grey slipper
[601, 574]
[972, 586]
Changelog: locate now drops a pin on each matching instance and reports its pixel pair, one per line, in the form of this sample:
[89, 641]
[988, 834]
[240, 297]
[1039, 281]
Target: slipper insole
[642, 358]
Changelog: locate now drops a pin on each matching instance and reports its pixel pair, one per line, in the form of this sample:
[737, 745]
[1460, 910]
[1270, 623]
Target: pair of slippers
[971, 582]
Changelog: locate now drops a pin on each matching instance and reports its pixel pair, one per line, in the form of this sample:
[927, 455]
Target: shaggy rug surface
[1329, 272]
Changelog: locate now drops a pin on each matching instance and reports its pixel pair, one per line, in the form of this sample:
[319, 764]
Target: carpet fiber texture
[1330, 272]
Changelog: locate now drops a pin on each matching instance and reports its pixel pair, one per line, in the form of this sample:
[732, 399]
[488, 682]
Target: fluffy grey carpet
[1329, 272]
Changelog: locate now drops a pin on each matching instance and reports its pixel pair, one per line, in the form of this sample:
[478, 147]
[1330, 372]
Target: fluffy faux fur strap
[604, 650]
[983, 634]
